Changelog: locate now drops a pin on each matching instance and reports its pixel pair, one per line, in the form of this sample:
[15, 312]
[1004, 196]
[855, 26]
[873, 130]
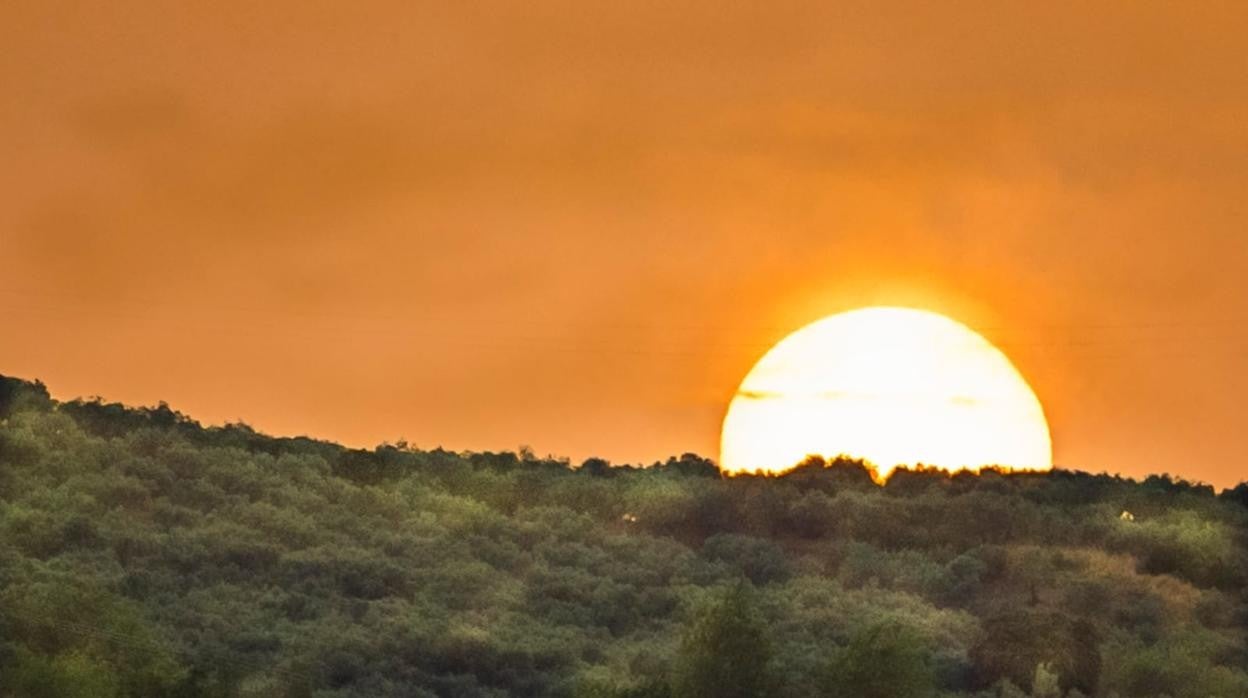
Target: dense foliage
[144, 555]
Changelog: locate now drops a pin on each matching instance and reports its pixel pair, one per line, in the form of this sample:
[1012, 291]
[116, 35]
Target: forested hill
[144, 555]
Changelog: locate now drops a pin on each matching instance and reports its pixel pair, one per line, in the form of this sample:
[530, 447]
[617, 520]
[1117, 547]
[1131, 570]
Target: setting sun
[893, 386]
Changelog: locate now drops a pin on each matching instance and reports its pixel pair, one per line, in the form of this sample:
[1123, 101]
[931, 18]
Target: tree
[724, 652]
[1237, 494]
[71, 675]
[882, 660]
[1015, 641]
[761, 561]
[17, 394]
[597, 467]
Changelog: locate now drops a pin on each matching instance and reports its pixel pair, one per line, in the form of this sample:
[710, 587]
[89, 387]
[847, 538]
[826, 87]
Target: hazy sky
[577, 225]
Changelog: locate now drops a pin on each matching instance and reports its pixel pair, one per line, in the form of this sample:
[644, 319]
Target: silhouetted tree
[597, 467]
[17, 394]
[693, 465]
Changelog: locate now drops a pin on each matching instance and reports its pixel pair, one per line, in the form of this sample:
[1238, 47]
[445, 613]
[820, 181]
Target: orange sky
[577, 225]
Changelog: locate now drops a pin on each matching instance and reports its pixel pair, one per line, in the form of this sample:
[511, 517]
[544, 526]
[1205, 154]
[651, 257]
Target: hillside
[144, 555]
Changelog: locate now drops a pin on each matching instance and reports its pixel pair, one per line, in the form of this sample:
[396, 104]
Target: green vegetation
[144, 555]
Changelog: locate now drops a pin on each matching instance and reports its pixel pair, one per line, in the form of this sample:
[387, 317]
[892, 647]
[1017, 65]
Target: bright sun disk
[893, 386]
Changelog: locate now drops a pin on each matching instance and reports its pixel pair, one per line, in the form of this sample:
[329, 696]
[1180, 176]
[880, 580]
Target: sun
[894, 386]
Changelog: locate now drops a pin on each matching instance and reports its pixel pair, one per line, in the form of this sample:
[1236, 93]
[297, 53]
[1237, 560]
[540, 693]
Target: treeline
[142, 554]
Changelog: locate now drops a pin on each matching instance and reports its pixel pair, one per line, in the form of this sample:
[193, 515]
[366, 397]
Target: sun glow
[894, 386]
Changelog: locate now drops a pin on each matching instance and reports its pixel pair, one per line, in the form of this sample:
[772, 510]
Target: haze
[536, 223]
